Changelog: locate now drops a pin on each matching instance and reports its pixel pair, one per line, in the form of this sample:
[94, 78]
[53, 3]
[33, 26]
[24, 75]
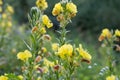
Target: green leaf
[27, 45]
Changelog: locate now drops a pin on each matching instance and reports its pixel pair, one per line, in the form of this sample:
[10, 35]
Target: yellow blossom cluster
[65, 51]
[112, 77]
[6, 17]
[64, 10]
[3, 78]
[85, 55]
[46, 21]
[24, 55]
[57, 9]
[117, 33]
[41, 4]
[105, 34]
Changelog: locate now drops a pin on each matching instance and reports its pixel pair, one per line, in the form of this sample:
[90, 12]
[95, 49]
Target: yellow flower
[42, 4]
[117, 33]
[47, 21]
[65, 51]
[10, 9]
[9, 24]
[48, 63]
[3, 78]
[4, 15]
[42, 30]
[55, 46]
[24, 55]
[57, 9]
[71, 7]
[112, 77]
[84, 53]
[105, 34]
[20, 77]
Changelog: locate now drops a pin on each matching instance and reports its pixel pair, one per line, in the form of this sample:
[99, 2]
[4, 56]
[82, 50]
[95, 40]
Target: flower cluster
[47, 21]
[42, 4]
[65, 51]
[6, 19]
[111, 39]
[117, 33]
[64, 11]
[40, 21]
[105, 34]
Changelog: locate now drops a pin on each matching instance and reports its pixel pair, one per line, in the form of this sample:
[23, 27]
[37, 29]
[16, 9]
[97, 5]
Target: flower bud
[34, 29]
[38, 58]
[46, 37]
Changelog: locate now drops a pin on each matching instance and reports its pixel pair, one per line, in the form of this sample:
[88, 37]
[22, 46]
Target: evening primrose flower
[57, 9]
[112, 77]
[65, 51]
[47, 21]
[117, 33]
[105, 34]
[3, 78]
[42, 4]
[24, 55]
[71, 7]
[10, 9]
[85, 55]
[48, 63]
[55, 46]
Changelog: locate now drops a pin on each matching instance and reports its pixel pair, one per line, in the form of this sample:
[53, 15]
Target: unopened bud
[85, 60]
[44, 50]
[56, 67]
[46, 37]
[34, 29]
[38, 58]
